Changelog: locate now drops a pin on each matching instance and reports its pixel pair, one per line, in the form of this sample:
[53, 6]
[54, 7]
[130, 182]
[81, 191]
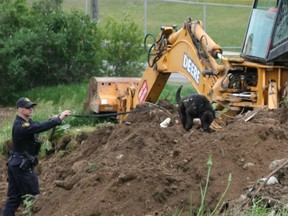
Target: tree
[122, 48]
[45, 46]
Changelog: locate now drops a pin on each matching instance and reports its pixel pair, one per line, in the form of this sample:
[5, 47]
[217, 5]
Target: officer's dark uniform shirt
[23, 133]
[24, 181]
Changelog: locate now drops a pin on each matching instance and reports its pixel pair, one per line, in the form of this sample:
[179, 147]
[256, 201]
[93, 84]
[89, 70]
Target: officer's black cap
[25, 102]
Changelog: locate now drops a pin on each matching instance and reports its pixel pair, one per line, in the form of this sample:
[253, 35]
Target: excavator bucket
[105, 94]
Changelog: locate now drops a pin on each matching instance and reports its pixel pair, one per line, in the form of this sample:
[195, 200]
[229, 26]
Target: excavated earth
[138, 168]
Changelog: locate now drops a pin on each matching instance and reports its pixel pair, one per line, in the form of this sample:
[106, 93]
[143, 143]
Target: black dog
[195, 106]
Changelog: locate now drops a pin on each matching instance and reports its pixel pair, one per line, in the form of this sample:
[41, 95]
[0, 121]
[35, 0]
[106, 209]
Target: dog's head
[206, 119]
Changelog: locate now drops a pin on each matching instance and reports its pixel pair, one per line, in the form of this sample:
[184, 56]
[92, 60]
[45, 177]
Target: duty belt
[17, 155]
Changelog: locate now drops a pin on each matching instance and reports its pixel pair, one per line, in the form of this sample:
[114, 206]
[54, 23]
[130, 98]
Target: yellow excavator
[257, 78]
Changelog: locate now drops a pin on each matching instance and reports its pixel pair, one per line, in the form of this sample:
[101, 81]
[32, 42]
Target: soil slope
[138, 168]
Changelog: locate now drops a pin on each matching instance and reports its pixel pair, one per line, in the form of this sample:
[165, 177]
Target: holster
[28, 161]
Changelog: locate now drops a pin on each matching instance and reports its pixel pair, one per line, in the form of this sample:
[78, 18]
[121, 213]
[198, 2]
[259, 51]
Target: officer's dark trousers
[21, 182]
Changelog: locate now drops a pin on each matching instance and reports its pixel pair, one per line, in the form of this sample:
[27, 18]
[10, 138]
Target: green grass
[222, 25]
[170, 89]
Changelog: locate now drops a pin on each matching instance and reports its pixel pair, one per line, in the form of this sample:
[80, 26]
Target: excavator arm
[232, 84]
[189, 51]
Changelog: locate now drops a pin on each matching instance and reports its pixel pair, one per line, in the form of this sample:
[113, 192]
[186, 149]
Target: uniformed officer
[21, 177]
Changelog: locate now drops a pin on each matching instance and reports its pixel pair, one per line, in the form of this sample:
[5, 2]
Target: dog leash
[137, 110]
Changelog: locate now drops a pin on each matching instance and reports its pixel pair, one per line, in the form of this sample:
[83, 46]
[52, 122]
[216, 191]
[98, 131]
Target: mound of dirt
[139, 168]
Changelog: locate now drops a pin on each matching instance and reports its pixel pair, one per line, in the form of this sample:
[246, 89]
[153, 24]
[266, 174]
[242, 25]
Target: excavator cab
[266, 39]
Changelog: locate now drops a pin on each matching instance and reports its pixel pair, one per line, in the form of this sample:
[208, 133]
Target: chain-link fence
[225, 23]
